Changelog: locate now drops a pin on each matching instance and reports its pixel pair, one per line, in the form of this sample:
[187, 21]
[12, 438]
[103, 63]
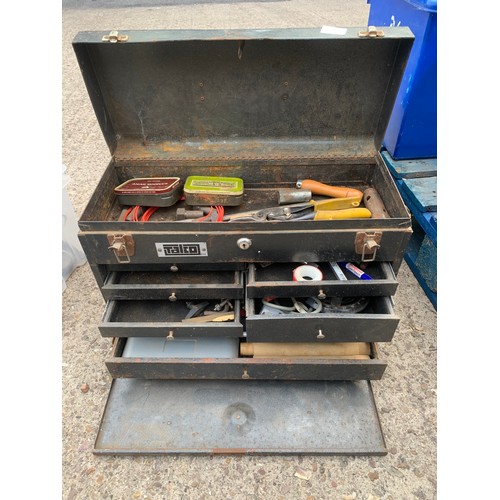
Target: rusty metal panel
[160, 90]
[240, 417]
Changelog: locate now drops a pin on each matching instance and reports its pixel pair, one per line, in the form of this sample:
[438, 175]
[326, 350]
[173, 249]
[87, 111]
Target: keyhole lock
[244, 243]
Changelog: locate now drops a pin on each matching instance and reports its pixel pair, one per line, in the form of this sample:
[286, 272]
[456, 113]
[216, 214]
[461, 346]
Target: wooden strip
[210, 318]
[270, 349]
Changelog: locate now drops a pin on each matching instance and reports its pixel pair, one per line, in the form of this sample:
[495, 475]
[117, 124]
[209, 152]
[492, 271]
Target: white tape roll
[307, 273]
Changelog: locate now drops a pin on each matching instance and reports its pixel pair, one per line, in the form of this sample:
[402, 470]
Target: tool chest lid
[243, 94]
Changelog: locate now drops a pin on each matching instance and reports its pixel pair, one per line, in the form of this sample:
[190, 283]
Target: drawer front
[277, 280]
[243, 368]
[377, 323]
[272, 245]
[180, 285]
[155, 318]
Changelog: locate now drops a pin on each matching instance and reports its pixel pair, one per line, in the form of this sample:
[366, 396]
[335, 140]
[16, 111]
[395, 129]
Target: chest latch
[367, 245]
[123, 246]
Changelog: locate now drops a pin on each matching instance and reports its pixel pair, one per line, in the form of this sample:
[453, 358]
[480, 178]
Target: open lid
[209, 95]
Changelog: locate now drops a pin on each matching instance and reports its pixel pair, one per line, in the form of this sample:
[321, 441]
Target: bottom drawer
[148, 364]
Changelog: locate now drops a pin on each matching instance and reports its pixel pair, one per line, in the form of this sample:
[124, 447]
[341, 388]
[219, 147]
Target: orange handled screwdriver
[333, 191]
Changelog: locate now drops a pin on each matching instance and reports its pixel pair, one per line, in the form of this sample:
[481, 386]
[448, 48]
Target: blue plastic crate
[412, 128]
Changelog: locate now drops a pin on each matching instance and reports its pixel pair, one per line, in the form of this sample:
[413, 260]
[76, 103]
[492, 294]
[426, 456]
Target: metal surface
[162, 92]
[240, 417]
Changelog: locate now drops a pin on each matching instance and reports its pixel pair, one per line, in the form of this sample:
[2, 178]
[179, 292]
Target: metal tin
[208, 190]
[150, 191]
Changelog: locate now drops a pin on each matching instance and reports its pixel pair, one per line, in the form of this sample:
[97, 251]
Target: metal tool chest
[271, 107]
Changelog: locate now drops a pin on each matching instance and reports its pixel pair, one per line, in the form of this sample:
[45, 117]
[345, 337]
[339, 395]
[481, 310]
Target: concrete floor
[406, 395]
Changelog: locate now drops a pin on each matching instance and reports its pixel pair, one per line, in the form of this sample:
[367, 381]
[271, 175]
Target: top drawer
[108, 237]
[182, 285]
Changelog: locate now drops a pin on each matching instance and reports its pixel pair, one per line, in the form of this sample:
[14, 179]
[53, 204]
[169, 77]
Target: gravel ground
[406, 395]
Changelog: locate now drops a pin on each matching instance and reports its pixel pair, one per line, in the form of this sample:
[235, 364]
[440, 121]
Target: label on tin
[148, 186]
[214, 184]
[182, 249]
[208, 185]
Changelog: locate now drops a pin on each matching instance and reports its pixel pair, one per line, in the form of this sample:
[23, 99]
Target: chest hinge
[371, 32]
[114, 37]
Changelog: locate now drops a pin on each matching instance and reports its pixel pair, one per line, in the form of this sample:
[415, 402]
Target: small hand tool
[224, 306]
[275, 213]
[374, 203]
[333, 191]
[287, 196]
[347, 213]
[195, 309]
[182, 214]
[299, 211]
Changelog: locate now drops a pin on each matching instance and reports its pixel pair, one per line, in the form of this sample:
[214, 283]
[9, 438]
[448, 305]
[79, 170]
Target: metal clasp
[372, 32]
[123, 247]
[114, 37]
[367, 244]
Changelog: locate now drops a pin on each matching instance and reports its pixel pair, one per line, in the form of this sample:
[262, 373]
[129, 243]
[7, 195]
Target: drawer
[376, 323]
[165, 284]
[155, 318]
[276, 280]
[242, 368]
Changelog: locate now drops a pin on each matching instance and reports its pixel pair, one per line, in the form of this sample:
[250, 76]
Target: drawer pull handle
[170, 335]
[172, 297]
[245, 375]
[321, 295]
[320, 335]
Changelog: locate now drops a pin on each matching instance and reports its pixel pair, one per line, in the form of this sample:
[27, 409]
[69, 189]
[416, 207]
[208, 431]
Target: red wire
[127, 213]
[220, 212]
[135, 213]
[148, 213]
[201, 219]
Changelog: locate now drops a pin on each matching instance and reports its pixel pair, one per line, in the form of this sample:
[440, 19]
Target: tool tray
[270, 107]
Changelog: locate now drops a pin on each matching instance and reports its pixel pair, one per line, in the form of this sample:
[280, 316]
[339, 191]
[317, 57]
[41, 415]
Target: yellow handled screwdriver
[346, 213]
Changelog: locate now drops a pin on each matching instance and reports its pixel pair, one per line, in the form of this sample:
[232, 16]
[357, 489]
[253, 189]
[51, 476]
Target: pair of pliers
[281, 213]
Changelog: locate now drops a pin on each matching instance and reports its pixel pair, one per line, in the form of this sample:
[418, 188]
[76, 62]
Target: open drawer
[155, 318]
[377, 322]
[241, 368]
[180, 285]
[277, 280]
